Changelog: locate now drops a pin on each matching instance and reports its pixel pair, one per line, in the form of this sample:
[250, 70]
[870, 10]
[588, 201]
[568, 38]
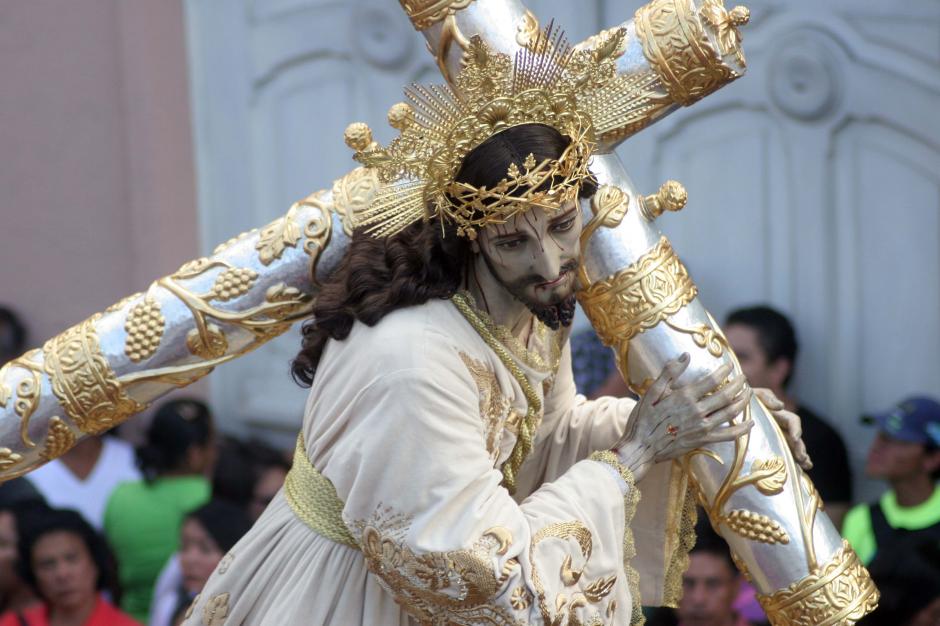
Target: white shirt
[62, 489]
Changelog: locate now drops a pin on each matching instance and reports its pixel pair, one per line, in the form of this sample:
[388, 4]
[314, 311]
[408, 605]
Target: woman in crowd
[69, 565]
[15, 593]
[208, 533]
[142, 519]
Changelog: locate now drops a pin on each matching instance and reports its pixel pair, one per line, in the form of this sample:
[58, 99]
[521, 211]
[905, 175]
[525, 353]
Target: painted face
[65, 571]
[535, 255]
[709, 588]
[199, 555]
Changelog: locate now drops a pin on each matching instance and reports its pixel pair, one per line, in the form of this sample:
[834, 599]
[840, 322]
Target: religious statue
[446, 472]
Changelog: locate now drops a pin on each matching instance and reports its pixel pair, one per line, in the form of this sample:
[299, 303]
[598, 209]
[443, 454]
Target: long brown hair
[426, 260]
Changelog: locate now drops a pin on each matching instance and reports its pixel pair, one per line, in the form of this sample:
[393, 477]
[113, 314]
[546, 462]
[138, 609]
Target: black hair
[67, 521]
[239, 466]
[177, 426]
[774, 330]
[12, 335]
[225, 522]
[707, 540]
[425, 261]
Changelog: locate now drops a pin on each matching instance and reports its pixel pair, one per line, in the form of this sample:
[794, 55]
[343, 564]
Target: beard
[554, 314]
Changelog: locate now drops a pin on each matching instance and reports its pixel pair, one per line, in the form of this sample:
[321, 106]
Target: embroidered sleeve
[423, 500]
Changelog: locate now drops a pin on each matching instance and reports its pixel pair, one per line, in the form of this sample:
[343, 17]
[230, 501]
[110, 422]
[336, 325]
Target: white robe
[411, 420]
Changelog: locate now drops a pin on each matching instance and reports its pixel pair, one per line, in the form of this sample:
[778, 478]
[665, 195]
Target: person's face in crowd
[709, 588]
[266, 488]
[65, 571]
[535, 254]
[895, 460]
[199, 555]
[759, 371]
[8, 537]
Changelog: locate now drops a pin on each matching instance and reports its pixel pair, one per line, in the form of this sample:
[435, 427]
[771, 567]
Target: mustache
[538, 279]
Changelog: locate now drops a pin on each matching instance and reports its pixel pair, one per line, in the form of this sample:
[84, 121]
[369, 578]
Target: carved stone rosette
[643, 303]
[98, 373]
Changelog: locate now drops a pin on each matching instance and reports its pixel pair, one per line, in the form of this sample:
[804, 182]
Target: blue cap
[916, 420]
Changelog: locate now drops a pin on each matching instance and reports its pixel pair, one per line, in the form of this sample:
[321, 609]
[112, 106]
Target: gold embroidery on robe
[226, 563]
[457, 586]
[216, 610]
[493, 404]
[565, 609]
[192, 605]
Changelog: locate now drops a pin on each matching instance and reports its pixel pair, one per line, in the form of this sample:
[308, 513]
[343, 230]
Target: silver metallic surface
[772, 567]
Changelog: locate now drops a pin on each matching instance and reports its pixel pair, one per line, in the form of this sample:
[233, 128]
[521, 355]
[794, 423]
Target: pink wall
[97, 190]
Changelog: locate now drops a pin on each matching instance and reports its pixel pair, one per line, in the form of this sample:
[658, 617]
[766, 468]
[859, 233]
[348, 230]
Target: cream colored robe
[411, 421]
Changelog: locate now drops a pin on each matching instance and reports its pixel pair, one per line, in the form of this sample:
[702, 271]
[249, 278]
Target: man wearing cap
[906, 453]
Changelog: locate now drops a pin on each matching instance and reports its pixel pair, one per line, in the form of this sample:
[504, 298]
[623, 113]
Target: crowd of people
[110, 534]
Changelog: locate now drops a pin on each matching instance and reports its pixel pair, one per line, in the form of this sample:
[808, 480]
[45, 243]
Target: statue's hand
[672, 419]
[790, 424]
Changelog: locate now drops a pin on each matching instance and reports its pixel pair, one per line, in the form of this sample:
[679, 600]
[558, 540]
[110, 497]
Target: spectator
[208, 533]
[270, 471]
[142, 519]
[12, 335]
[766, 346]
[905, 522]
[15, 593]
[248, 474]
[709, 586]
[69, 565]
[84, 477]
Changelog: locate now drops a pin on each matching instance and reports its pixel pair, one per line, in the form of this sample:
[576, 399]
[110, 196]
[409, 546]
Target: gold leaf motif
[226, 563]
[59, 440]
[83, 381]
[494, 406]
[216, 610]
[600, 588]
[232, 283]
[426, 13]
[209, 345]
[452, 587]
[144, 327]
[569, 575]
[8, 458]
[352, 194]
[276, 236]
[194, 268]
[755, 526]
[773, 472]
[839, 593]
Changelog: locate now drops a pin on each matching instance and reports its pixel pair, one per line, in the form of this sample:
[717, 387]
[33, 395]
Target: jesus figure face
[534, 256]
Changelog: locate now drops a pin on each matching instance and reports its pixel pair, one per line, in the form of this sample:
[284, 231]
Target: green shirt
[857, 527]
[142, 522]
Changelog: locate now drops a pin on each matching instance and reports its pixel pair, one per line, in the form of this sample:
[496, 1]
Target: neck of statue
[496, 301]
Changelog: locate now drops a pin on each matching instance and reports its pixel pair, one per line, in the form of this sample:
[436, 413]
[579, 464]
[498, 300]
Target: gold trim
[841, 592]
[83, 381]
[680, 537]
[525, 437]
[630, 501]
[26, 394]
[426, 13]
[639, 297]
[678, 47]
[609, 206]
